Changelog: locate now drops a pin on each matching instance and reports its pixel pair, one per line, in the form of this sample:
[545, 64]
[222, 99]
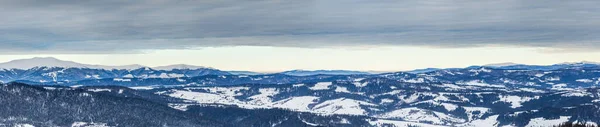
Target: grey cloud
[116, 26]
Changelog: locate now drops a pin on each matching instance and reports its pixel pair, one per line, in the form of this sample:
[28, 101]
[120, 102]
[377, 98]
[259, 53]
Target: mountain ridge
[25, 64]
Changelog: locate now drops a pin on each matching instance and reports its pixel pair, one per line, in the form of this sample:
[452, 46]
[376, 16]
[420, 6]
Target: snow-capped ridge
[180, 66]
[54, 62]
[40, 62]
[579, 63]
[50, 62]
[501, 64]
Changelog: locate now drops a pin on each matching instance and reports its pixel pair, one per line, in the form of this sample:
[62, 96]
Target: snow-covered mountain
[112, 106]
[501, 64]
[482, 97]
[25, 64]
[465, 97]
[47, 69]
[425, 70]
[477, 96]
[584, 64]
[61, 75]
[53, 62]
[244, 73]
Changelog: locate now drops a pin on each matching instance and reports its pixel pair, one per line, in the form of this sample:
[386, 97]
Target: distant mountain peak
[582, 62]
[54, 62]
[40, 62]
[502, 64]
[180, 66]
[46, 58]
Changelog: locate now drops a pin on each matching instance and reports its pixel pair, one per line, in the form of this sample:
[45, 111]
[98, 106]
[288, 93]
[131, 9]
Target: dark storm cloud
[117, 26]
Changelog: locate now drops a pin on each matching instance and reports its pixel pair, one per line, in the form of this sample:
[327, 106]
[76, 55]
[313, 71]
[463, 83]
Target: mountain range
[497, 95]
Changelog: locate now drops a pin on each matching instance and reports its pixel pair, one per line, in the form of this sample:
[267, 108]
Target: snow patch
[537, 122]
[478, 83]
[297, 103]
[121, 80]
[384, 123]
[421, 115]
[515, 101]
[99, 90]
[24, 125]
[490, 121]
[321, 86]
[341, 89]
[342, 106]
[585, 80]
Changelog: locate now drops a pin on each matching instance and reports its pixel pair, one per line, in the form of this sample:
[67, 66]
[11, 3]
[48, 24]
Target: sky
[276, 35]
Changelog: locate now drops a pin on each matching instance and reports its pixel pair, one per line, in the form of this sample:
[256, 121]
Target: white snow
[559, 86]
[341, 89]
[515, 101]
[542, 122]
[298, 85]
[531, 90]
[321, 86]
[584, 80]
[483, 69]
[342, 106]
[359, 84]
[226, 91]
[449, 107]
[223, 95]
[385, 100]
[539, 75]
[452, 86]
[121, 80]
[128, 76]
[556, 78]
[264, 97]
[203, 98]
[420, 115]
[471, 112]
[490, 121]
[575, 93]
[412, 98]
[297, 103]
[24, 125]
[93, 76]
[50, 88]
[417, 80]
[358, 79]
[478, 83]
[182, 107]
[344, 121]
[88, 124]
[175, 75]
[142, 87]
[162, 75]
[381, 123]
[99, 90]
[308, 123]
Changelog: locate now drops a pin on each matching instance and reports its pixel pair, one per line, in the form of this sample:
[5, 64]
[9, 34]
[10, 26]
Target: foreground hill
[26, 105]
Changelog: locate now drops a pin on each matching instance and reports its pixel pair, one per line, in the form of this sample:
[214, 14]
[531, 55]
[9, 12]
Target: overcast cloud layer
[129, 26]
